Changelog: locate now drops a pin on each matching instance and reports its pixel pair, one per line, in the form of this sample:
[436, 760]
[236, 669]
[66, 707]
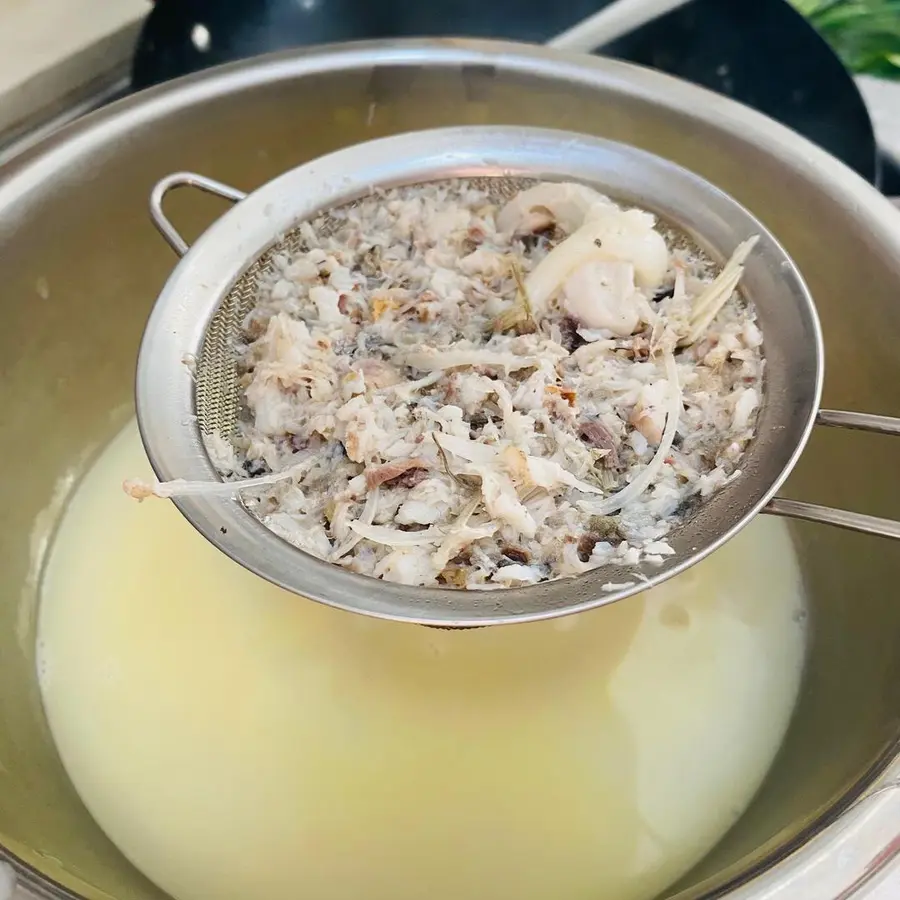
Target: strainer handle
[184, 179]
[813, 512]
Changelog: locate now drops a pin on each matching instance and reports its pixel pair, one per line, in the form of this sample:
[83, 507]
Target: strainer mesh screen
[218, 391]
[195, 315]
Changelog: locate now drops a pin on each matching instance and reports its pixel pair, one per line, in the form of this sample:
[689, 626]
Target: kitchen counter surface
[51, 50]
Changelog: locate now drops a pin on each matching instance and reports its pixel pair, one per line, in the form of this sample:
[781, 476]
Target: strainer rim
[244, 233]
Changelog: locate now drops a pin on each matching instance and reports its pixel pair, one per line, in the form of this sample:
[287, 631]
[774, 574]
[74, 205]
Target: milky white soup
[238, 742]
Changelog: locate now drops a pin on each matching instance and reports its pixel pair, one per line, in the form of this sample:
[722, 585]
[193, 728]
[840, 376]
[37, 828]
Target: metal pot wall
[81, 266]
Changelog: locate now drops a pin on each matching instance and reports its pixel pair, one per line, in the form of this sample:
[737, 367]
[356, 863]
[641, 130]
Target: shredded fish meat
[445, 389]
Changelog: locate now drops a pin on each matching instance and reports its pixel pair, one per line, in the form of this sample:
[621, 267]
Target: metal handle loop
[184, 179]
[840, 518]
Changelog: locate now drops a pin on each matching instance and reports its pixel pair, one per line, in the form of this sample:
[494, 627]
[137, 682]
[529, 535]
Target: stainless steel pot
[81, 266]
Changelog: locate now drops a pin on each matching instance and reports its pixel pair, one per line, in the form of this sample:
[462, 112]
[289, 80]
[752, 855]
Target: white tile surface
[49, 48]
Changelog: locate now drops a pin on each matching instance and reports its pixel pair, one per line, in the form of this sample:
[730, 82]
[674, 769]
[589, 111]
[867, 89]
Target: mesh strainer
[201, 308]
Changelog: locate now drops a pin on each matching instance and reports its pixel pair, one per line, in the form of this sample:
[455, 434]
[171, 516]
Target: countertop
[51, 50]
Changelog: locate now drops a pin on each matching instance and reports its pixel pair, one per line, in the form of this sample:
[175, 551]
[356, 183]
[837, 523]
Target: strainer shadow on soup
[480, 358]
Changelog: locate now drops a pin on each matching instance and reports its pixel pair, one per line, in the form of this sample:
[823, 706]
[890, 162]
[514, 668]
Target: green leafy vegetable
[864, 33]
